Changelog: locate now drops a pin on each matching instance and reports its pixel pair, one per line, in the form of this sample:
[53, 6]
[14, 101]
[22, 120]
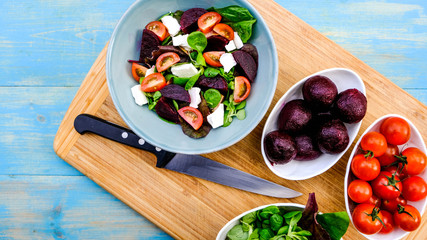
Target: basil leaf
[335, 224]
[234, 13]
[211, 72]
[197, 41]
[243, 28]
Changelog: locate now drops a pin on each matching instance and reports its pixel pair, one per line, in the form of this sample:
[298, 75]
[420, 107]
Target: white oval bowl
[299, 170]
[222, 234]
[415, 140]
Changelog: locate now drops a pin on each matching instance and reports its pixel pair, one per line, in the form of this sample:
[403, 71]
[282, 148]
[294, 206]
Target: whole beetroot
[320, 92]
[306, 148]
[294, 117]
[332, 137]
[350, 106]
[279, 147]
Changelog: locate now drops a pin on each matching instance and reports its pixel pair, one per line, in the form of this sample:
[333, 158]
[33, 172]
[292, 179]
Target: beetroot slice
[176, 92]
[217, 82]
[252, 50]
[164, 49]
[149, 43]
[216, 43]
[189, 19]
[165, 110]
[246, 64]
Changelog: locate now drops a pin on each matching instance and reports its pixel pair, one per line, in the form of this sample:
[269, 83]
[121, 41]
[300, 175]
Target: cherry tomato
[407, 218]
[242, 88]
[396, 130]
[414, 188]
[366, 218]
[388, 222]
[224, 30]
[374, 200]
[365, 168]
[138, 71]
[208, 20]
[212, 58]
[390, 205]
[192, 116]
[166, 60]
[389, 156]
[159, 29]
[416, 161]
[386, 186]
[153, 82]
[374, 143]
[359, 191]
[397, 170]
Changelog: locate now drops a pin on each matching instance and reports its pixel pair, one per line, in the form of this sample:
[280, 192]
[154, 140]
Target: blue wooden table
[48, 46]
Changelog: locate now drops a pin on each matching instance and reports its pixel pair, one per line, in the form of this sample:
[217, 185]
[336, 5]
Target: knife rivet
[158, 149]
[125, 135]
[141, 141]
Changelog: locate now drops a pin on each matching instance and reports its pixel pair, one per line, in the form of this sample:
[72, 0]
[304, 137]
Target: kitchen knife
[193, 165]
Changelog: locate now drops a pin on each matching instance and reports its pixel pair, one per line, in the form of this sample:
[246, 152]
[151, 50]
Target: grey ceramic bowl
[124, 45]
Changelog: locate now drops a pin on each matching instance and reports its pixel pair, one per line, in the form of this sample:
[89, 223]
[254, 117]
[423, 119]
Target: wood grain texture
[204, 207]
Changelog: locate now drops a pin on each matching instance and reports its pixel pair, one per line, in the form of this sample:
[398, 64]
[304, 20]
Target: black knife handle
[89, 123]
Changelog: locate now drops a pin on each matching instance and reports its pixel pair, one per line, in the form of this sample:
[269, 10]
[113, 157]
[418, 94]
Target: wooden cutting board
[190, 208]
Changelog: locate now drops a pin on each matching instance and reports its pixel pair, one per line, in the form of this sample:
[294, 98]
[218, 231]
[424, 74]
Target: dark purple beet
[306, 149]
[174, 91]
[320, 92]
[216, 43]
[149, 43]
[189, 19]
[332, 137]
[252, 50]
[165, 110]
[164, 49]
[350, 106]
[216, 82]
[279, 147]
[204, 130]
[246, 63]
[294, 117]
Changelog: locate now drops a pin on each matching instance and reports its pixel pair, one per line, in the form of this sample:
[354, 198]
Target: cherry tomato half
[389, 156]
[224, 30]
[374, 143]
[396, 130]
[208, 20]
[374, 200]
[417, 161]
[166, 60]
[212, 58]
[153, 82]
[407, 218]
[192, 116]
[242, 88]
[366, 218]
[159, 29]
[388, 222]
[414, 188]
[359, 191]
[138, 71]
[390, 205]
[365, 168]
[386, 186]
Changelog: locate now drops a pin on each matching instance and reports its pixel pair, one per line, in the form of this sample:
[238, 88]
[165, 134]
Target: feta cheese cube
[230, 46]
[184, 70]
[181, 40]
[149, 71]
[216, 119]
[238, 41]
[195, 97]
[171, 24]
[138, 95]
[227, 61]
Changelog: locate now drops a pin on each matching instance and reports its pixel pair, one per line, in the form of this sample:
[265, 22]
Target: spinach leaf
[153, 98]
[237, 233]
[243, 28]
[197, 41]
[211, 72]
[200, 60]
[335, 224]
[266, 234]
[213, 97]
[180, 81]
[234, 13]
[241, 114]
[276, 222]
[249, 218]
[190, 83]
[228, 76]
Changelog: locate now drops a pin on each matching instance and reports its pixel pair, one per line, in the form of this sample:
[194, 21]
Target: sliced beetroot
[216, 82]
[149, 43]
[165, 110]
[252, 50]
[246, 64]
[164, 49]
[204, 130]
[216, 43]
[189, 19]
[174, 91]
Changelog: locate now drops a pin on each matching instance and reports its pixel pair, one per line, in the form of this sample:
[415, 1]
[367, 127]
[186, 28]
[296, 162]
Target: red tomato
[416, 161]
[242, 88]
[138, 71]
[390, 205]
[407, 218]
[388, 222]
[366, 218]
[153, 82]
[166, 60]
[389, 156]
[397, 170]
[374, 200]
[386, 186]
[414, 188]
[192, 116]
[224, 30]
[396, 130]
[208, 20]
[365, 168]
[159, 29]
[359, 191]
[212, 58]
[374, 143]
